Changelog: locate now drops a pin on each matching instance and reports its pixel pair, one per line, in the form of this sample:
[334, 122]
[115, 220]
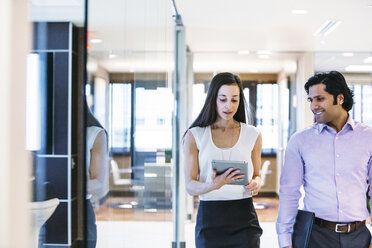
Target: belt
[340, 227]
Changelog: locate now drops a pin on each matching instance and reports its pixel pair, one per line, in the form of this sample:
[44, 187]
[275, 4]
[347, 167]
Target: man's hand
[370, 246]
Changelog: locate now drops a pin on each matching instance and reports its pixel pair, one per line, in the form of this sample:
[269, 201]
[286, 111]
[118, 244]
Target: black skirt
[227, 224]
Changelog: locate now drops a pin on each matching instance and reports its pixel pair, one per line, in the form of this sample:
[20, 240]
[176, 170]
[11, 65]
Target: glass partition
[54, 122]
[123, 107]
[130, 48]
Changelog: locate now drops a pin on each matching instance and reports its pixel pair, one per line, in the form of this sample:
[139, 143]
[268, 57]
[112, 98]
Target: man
[332, 160]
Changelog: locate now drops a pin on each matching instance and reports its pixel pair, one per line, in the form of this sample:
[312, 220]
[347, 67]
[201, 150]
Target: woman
[226, 216]
[97, 172]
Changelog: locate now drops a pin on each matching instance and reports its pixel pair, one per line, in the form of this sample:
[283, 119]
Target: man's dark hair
[335, 84]
[208, 114]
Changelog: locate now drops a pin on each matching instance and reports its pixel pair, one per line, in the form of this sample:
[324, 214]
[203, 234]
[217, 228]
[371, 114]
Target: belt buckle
[339, 225]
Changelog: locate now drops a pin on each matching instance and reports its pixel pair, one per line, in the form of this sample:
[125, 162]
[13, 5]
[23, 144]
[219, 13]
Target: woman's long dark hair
[91, 120]
[208, 114]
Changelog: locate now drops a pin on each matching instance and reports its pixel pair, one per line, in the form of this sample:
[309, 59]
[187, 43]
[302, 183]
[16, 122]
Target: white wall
[15, 163]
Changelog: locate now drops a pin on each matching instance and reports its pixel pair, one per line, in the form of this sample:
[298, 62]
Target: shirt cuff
[285, 240]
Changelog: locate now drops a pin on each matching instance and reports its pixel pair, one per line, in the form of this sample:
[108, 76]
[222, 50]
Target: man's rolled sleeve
[291, 180]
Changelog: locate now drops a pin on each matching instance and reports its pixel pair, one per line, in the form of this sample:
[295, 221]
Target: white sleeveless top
[95, 196]
[208, 151]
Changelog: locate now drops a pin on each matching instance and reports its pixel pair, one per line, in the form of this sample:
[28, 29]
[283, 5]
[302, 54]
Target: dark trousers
[324, 238]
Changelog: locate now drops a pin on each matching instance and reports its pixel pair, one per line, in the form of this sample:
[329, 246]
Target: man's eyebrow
[317, 96]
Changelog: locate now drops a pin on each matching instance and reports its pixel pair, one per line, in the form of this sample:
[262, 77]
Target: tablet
[223, 165]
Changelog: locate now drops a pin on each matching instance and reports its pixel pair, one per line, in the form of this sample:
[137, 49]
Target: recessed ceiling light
[253, 70]
[368, 60]
[243, 52]
[348, 54]
[299, 12]
[51, 3]
[326, 28]
[96, 41]
[112, 55]
[359, 68]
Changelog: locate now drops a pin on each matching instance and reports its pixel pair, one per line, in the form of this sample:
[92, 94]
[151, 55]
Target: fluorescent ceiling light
[299, 12]
[326, 28]
[359, 68]
[243, 52]
[267, 52]
[59, 3]
[348, 54]
[368, 60]
[96, 41]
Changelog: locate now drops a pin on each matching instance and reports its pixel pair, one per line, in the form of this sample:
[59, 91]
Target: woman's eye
[223, 100]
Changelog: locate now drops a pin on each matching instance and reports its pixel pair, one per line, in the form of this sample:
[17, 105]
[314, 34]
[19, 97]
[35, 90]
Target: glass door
[130, 49]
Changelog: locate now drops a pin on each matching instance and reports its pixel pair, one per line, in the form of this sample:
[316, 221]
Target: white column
[188, 110]
[15, 163]
[282, 116]
[305, 69]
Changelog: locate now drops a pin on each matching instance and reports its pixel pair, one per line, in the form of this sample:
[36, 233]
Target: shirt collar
[350, 122]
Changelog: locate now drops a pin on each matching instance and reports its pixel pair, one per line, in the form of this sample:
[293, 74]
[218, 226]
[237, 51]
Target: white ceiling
[218, 25]
[140, 32]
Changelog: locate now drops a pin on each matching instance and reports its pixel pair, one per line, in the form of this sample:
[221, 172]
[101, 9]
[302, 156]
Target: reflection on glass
[120, 117]
[33, 103]
[362, 109]
[134, 57]
[199, 96]
[266, 115]
[153, 119]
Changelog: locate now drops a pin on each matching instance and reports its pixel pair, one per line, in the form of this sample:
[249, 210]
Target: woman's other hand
[253, 186]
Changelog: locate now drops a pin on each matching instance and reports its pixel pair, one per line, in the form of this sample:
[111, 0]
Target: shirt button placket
[337, 177]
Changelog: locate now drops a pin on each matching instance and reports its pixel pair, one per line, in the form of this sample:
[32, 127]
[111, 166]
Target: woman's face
[228, 101]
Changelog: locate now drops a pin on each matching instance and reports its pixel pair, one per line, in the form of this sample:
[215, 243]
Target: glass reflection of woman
[97, 171]
[226, 216]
